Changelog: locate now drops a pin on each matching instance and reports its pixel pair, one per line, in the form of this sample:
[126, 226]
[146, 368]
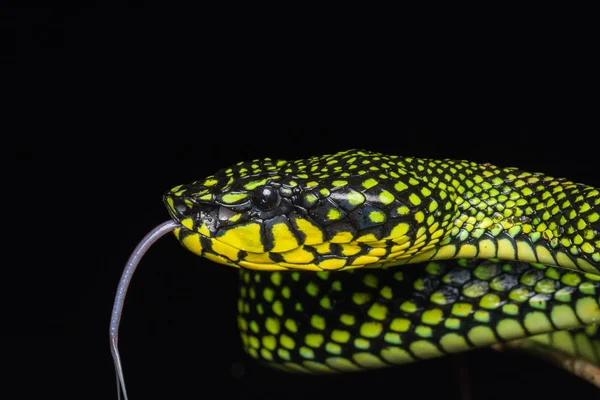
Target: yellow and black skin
[492, 255]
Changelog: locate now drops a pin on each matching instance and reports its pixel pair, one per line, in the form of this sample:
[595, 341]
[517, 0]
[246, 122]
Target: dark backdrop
[111, 106]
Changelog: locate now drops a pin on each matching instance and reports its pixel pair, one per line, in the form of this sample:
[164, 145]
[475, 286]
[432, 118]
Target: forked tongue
[130, 267]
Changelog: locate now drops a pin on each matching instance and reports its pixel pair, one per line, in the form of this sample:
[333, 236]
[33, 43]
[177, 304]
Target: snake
[359, 260]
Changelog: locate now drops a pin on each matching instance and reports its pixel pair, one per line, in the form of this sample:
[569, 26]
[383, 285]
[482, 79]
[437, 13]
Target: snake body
[359, 260]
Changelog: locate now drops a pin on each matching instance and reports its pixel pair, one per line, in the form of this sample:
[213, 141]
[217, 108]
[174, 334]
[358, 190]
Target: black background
[109, 106]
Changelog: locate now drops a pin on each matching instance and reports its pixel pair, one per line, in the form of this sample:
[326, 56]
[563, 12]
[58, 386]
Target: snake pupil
[266, 198]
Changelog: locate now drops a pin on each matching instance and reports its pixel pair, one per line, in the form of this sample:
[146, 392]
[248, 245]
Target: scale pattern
[343, 321]
[361, 209]
[360, 260]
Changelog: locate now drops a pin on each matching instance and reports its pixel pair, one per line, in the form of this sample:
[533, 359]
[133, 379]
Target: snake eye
[266, 198]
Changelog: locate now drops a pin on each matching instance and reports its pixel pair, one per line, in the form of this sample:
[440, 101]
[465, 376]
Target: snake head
[346, 210]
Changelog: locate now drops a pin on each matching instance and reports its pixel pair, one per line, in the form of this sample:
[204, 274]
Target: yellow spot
[454, 343]
[323, 248]
[272, 325]
[392, 337]
[298, 256]
[588, 310]
[232, 198]
[317, 367]
[192, 243]
[269, 342]
[347, 319]
[312, 289]
[462, 309]
[277, 308]
[290, 325]
[253, 341]
[433, 316]
[386, 292]
[371, 329]
[225, 250]
[368, 360]
[177, 232]
[564, 317]
[334, 214]
[490, 301]
[245, 237]
[399, 230]
[487, 249]
[342, 364]
[268, 294]
[333, 348]
[400, 186]
[420, 217]
[369, 183]
[369, 237]
[254, 184]
[342, 237]
[243, 325]
[209, 182]
[370, 280]
[467, 251]
[314, 340]
[400, 324]
[332, 263]
[386, 197]
[377, 216]
[414, 199]
[446, 252]
[587, 248]
[350, 250]
[260, 258]
[293, 367]
[310, 198]
[506, 251]
[585, 347]
[287, 342]
[283, 238]
[275, 278]
[355, 198]
[509, 329]
[481, 335]
[222, 260]
[564, 260]
[340, 336]
[424, 349]
[361, 298]
[564, 342]
[306, 352]
[544, 256]
[403, 210]
[378, 311]
[396, 355]
[188, 223]
[317, 322]
[537, 322]
[408, 306]
[525, 252]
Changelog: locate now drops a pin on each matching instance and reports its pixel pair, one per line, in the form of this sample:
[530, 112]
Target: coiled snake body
[360, 260]
[492, 255]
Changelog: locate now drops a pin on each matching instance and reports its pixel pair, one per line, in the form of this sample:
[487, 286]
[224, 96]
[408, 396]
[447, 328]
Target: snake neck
[514, 215]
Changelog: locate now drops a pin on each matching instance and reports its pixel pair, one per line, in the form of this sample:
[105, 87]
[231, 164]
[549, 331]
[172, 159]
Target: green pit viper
[360, 260]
